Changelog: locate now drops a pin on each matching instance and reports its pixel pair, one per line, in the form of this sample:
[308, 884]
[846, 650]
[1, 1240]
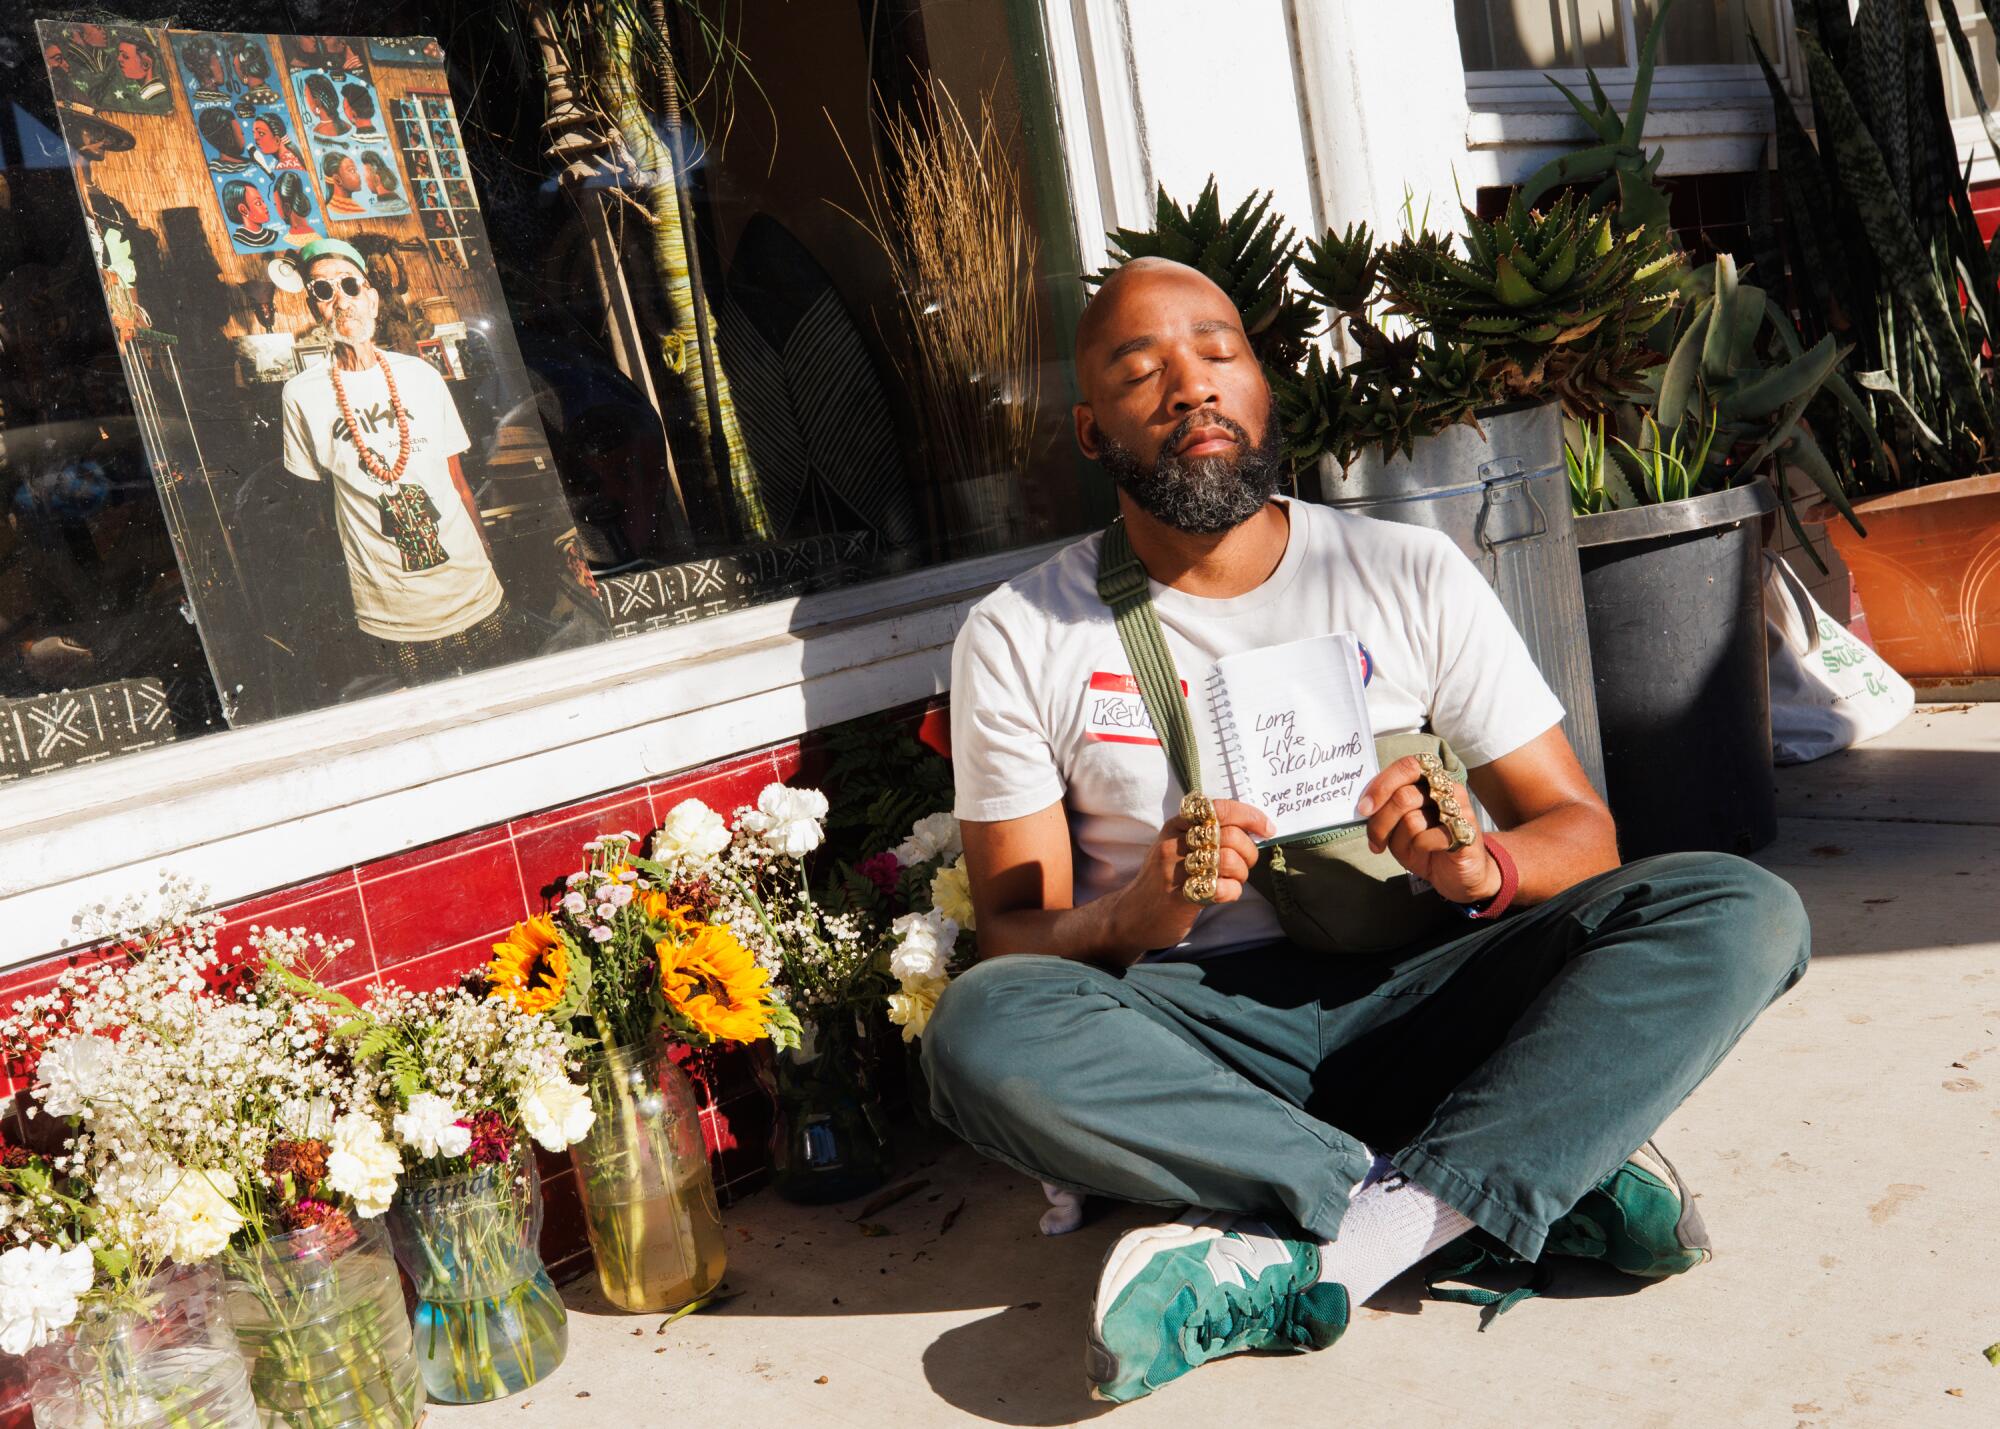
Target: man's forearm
[1090, 934]
[1559, 849]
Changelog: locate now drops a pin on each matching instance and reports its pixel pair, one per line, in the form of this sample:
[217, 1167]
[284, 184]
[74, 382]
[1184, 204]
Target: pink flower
[882, 870]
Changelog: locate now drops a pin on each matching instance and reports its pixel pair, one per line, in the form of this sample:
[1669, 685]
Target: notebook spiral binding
[1225, 735]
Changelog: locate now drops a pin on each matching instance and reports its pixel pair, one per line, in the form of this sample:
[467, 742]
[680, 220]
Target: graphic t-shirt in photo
[1044, 706]
[389, 601]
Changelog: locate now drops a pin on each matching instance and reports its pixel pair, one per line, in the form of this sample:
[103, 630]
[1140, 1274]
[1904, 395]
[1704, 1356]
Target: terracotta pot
[1929, 574]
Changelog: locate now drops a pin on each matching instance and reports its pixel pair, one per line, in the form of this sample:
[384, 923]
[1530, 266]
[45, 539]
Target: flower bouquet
[630, 956]
[931, 940]
[211, 1117]
[824, 955]
[460, 1080]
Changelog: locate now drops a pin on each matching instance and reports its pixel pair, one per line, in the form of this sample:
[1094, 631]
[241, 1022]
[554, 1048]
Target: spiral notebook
[1293, 725]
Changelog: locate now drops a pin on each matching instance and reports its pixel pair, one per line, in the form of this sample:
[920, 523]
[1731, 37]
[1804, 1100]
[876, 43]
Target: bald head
[1174, 404]
[1126, 299]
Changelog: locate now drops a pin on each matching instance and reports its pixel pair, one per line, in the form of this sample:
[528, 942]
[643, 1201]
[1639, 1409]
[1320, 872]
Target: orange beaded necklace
[371, 463]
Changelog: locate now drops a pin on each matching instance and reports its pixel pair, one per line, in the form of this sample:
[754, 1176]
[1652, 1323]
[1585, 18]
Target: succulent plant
[1340, 271]
[1557, 301]
[1249, 255]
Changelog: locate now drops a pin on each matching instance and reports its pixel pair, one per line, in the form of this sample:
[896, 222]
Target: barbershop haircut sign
[204, 161]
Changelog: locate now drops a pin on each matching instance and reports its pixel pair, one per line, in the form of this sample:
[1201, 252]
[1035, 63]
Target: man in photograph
[381, 431]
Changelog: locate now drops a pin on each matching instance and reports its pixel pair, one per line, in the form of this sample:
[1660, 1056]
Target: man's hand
[1402, 819]
[1152, 911]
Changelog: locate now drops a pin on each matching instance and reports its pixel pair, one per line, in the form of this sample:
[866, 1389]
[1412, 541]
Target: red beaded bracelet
[1510, 882]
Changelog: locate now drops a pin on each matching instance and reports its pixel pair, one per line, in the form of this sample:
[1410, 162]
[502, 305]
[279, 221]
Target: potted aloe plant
[1888, 257]
[1670, 492]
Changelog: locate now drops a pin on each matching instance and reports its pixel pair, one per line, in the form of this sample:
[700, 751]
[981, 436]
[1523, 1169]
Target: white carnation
[557, 1113]
[932, 836]
[362, 1165]
[39, 1286]
[788, 819]
[197, 1218]
[692, 834]
[924, 943]
[71, 1071]
[430, 1126]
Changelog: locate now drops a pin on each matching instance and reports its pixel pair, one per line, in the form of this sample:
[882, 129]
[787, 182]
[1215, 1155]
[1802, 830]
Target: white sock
[1390, 1225]
[1065, 1212]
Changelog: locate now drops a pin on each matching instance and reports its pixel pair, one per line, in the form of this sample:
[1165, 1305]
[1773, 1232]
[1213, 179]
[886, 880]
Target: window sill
[259, 808]
[1507, 143]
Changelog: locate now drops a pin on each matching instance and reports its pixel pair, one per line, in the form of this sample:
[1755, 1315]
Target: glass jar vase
[172, 1364]
[648, 1198]
[829, 1141]
[489, 1321]
[319, 1318]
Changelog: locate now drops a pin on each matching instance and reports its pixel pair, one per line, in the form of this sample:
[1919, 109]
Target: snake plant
[1885, 250]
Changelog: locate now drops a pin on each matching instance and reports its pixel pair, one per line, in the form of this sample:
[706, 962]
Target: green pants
[1506, 1069]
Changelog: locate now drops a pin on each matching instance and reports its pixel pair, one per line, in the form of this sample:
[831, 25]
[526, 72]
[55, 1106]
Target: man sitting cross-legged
[1331, 1120]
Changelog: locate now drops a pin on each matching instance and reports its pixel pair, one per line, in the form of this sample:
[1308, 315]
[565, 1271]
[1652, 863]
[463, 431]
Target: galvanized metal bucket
[1501, 494]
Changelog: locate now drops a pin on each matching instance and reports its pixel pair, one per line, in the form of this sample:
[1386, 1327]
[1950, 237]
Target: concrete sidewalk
[1843, 1155]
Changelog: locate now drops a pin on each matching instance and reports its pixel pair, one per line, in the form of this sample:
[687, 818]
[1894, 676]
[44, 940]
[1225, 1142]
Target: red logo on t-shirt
[1115, 711]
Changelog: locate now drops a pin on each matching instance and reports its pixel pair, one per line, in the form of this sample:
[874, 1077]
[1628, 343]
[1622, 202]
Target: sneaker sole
[1128, 1254]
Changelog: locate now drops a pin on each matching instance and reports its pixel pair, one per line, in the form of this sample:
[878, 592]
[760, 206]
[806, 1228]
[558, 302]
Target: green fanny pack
[1331, 894]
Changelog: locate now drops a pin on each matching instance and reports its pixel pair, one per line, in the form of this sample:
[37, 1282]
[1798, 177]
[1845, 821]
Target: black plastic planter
[1674, 601]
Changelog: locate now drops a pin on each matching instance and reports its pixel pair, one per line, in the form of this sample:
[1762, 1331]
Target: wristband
[1510, 884]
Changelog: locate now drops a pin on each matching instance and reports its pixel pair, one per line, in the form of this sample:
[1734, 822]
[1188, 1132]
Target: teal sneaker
[1640, 1219]
[1175, 1296]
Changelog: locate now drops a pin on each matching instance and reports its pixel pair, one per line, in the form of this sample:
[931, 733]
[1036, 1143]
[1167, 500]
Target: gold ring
[1200, 863]
[1207, 835]
[1198, 809]
[1199, 890]
[1451, 815]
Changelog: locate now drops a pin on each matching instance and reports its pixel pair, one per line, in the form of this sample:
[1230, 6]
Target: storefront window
[336, 364]
[1503, 35]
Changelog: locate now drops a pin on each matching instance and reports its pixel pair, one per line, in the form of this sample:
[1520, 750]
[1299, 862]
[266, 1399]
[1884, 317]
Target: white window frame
[250, 810]
[1708, 118]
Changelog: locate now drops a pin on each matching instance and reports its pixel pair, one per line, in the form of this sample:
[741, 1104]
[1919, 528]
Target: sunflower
[530, 968]
[711, 980]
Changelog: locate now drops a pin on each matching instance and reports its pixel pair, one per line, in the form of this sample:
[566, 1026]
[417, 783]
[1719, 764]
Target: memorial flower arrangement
[635, 947]
[210, 1113]
[932, 941]
[457, 1081]
[825, 960]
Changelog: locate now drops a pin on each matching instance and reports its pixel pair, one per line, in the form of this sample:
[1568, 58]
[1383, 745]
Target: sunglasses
[323, 288]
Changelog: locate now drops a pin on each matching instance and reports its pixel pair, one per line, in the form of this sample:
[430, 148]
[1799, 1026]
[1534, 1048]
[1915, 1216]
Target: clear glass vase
[169, 1363]
[648, 1198]
[489, 1322]
[829, 1141]
[320, 1320]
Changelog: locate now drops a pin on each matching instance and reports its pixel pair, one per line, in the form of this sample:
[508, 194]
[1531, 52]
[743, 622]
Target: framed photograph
[351, 511]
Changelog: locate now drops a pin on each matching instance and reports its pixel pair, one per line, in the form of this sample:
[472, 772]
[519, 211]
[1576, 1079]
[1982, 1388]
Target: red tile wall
[423, 916]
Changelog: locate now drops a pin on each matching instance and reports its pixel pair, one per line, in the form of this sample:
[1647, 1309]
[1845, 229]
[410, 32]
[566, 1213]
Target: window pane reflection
[1541, 34]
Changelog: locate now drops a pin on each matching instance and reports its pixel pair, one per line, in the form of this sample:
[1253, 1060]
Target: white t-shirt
[390, 602]
[1044, 707]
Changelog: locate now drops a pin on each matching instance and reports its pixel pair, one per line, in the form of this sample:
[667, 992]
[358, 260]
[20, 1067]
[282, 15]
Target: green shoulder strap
[1121, 581]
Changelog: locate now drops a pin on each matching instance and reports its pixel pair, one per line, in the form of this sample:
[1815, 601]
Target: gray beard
[1206, 496]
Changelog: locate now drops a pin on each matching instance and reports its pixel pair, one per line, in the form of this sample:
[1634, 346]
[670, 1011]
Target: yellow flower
[530, 968]
[711, 980]
[951, 894]
[911, 1008]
